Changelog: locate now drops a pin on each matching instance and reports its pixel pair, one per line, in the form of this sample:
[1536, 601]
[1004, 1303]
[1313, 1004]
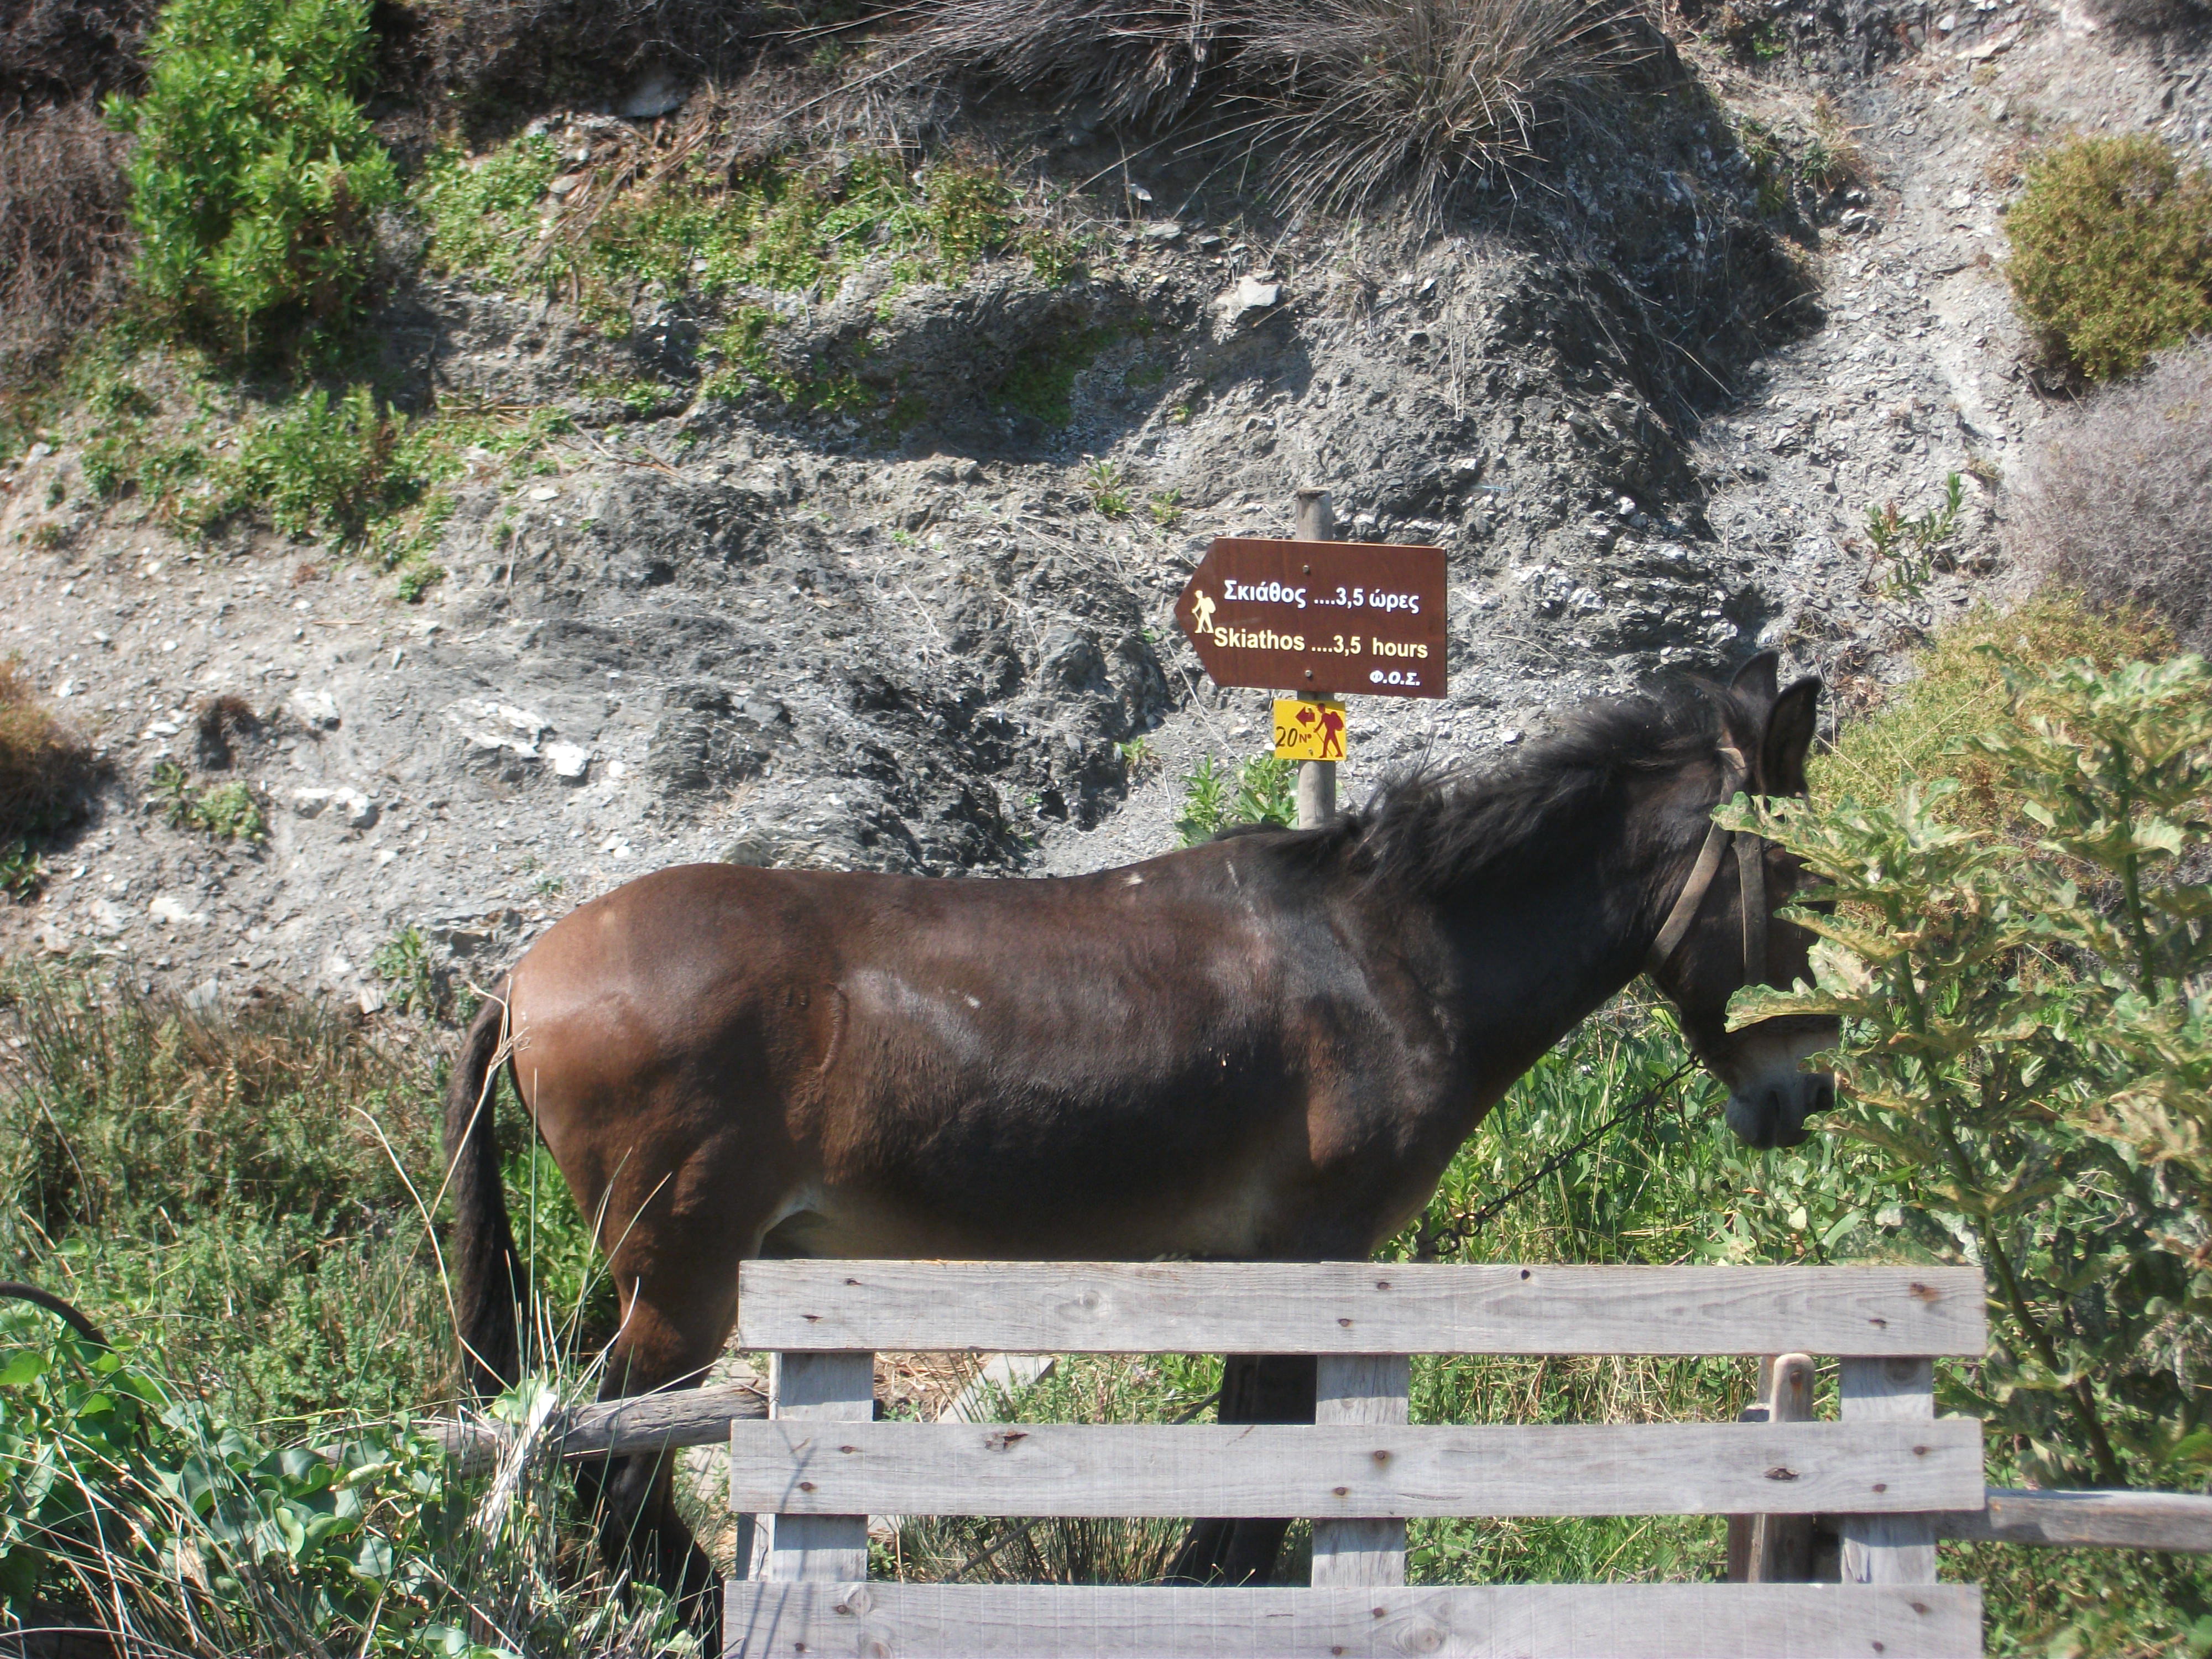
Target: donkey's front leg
[1255, 1387]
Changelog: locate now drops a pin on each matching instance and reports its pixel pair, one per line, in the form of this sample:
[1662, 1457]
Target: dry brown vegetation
[1340, 102]
[2117, 501]
[494, 57]
[54, 51]
[65, 245]
[45, 768]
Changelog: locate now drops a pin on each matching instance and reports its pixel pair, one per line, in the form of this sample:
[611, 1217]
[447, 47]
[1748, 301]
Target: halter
[1751, 873]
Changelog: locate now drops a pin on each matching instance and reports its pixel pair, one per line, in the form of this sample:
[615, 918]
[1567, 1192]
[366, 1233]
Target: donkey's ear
[1758, 678]
[1789, 738]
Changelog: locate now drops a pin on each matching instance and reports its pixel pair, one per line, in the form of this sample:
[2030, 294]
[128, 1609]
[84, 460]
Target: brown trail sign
[1319, 617]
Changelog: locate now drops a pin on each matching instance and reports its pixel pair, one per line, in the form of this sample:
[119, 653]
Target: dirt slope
[714, 631]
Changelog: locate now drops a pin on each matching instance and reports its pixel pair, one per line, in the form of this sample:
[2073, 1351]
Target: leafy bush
[65, 235]
[2117, 501]
[2027, 1051]
[255, 174]
[2111, 257]
[45, 768]
[237, 1200]
[127, 1502]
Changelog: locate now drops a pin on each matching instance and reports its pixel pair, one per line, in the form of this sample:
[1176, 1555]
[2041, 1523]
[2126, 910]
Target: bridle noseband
[1751, 873]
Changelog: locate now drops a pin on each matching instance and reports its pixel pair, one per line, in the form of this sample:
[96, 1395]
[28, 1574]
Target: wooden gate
[820, 1466]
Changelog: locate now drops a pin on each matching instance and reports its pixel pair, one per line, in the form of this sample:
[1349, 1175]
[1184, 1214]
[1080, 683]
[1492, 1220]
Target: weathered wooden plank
[2108, 1520]
[1889, 1549]
[1353, 1472]
[1775, 1549]
[1349, 1307]
[647, 1422]
[1360, 1389]
[1516, 1621]
[811, 1392]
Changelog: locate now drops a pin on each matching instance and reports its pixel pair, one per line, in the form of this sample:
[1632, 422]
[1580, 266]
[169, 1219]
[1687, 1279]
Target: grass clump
[1923, 731]
[2117, 501]
[1344, 103]
[776, 226]
[2111, 256]
[1408, 99]
[46, 768]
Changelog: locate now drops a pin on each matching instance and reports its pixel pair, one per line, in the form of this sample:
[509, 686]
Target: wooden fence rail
[821, 1466]
[2088, 1519]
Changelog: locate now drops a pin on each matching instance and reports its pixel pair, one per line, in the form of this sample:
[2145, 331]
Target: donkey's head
[1720, 932]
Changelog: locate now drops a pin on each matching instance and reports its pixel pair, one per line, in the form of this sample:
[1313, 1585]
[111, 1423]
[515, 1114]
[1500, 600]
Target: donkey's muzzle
[1771, 1111]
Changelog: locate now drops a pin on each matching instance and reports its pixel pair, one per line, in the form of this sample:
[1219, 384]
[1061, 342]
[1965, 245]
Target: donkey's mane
[1439, 829]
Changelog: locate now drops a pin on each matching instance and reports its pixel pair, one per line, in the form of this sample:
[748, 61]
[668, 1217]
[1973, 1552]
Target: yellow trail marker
[1308, 729]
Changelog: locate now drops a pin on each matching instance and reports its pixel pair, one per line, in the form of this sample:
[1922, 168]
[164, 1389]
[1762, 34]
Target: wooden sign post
[1316, 522]
[1318, 618]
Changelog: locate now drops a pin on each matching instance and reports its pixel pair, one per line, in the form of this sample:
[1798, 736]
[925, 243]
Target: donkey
[1265, 1048]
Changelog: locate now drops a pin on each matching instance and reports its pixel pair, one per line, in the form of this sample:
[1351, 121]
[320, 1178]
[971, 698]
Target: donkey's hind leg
[1254, 1389]
[665, 1343]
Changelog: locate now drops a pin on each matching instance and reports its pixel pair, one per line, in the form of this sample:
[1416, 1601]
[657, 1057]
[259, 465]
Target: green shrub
[255, 175]
[2111, 254]
[2027, 1051]
[125, 1502]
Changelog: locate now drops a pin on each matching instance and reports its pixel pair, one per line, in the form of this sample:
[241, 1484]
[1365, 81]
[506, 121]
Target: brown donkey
[1267, 1047]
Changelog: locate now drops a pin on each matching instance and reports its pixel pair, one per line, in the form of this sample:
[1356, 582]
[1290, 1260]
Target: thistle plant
[2027, 1050]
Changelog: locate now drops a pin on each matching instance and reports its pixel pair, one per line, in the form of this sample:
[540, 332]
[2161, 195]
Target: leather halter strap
[1750, 874]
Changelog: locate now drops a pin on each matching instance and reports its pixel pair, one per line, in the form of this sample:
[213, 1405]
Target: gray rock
[657, 93]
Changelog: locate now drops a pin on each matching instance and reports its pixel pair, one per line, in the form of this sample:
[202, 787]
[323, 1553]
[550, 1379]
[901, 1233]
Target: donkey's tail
[487, 1281]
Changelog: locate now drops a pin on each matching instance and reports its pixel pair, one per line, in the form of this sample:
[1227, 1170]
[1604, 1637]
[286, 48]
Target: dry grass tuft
[46, 768]
[1139, 62]
[1409, 99]
[2117, 501]
[53, 50]
[65, 245]
[1343, 103]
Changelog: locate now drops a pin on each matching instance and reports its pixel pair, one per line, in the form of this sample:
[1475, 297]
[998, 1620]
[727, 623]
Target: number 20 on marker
[1308, 729]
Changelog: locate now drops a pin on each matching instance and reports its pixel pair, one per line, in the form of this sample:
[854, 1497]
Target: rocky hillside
[903, 603]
